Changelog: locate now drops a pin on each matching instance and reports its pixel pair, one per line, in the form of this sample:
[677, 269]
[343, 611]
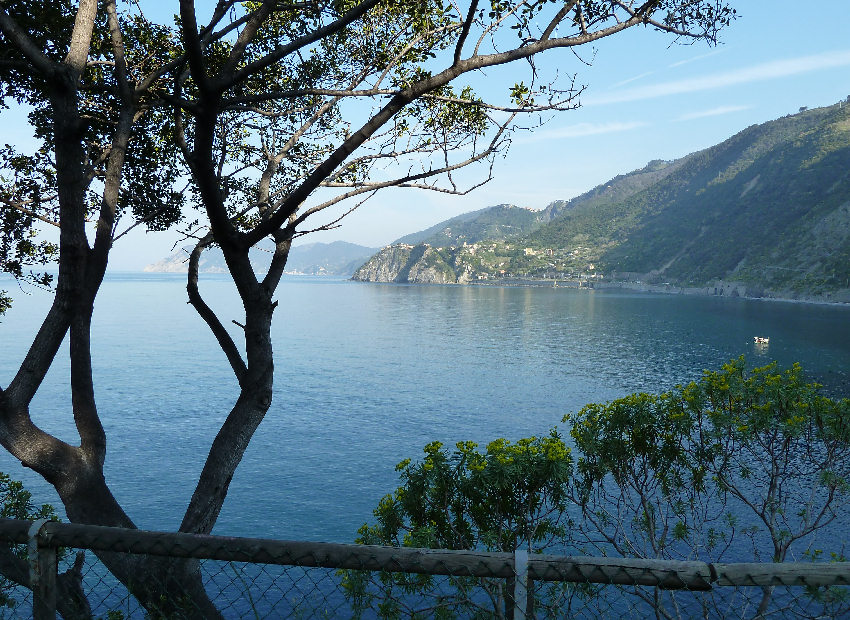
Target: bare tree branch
[408, 181]
[252, 26]
[19, 206]
[562, 14]
[467, 24]
[401, 100]
[194, 49]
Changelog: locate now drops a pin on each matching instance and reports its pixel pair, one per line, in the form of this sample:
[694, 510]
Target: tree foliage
[508, 496]
[16, 503]
[742, 465]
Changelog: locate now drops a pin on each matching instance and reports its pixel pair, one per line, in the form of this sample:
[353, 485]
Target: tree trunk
[165, 587]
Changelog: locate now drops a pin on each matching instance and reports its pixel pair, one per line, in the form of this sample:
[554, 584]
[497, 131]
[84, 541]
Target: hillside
[475, 246]
[336, 258]
[769, 208]
[498, 222]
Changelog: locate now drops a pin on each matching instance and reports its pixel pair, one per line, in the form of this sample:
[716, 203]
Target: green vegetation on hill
[763, 207]
[500, 222]
[769, 208]
[595, 216]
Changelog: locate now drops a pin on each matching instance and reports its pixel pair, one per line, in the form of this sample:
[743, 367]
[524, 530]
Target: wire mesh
[268, 582]
[15, 601]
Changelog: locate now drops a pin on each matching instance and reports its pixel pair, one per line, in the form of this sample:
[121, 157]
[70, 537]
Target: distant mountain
[337, 258]
[409, 260]
[499, 222]
[769, 208]
[212, 261]
[507, 221]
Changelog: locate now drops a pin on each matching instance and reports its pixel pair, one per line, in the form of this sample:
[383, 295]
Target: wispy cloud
[719, 111]
[581, 130]
[632, 79]
[671, 66]
[756, 73]
[695, 58]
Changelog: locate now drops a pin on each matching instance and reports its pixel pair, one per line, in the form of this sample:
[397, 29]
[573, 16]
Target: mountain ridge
[769, 208]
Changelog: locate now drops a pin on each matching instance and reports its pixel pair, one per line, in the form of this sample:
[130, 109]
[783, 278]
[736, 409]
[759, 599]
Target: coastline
[722, 289]
[735, 290]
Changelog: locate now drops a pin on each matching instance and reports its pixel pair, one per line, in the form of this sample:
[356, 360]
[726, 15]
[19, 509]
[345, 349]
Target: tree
[244, 129]
[742, 465]
[511, 496]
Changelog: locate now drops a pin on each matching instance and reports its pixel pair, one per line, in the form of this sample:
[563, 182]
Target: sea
[367, 374]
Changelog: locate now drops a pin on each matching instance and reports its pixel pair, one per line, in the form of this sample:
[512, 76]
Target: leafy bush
[742, 465]
[511, 495]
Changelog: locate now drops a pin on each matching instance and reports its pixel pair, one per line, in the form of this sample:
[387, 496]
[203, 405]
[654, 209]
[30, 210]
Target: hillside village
[495, 261]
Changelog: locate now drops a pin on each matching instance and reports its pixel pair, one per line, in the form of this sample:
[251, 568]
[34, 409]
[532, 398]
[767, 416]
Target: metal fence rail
[516, 577]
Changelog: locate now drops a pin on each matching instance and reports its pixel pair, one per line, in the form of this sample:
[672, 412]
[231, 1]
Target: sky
[645, 98]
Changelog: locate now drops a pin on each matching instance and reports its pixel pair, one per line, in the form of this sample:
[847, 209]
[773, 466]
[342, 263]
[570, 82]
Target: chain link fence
[71, 569]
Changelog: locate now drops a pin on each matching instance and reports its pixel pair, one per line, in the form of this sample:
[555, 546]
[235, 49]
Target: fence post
[520, 584]
[43, 567]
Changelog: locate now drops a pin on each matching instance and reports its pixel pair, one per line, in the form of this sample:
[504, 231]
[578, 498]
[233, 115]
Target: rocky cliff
[402, 263]
[385, 266]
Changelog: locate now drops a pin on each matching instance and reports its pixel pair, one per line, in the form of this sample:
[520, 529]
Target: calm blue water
[367, 374]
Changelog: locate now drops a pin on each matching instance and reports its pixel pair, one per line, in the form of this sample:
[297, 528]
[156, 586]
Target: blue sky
[646, 98]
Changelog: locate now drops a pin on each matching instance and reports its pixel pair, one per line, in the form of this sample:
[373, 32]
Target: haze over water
[367, 374]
